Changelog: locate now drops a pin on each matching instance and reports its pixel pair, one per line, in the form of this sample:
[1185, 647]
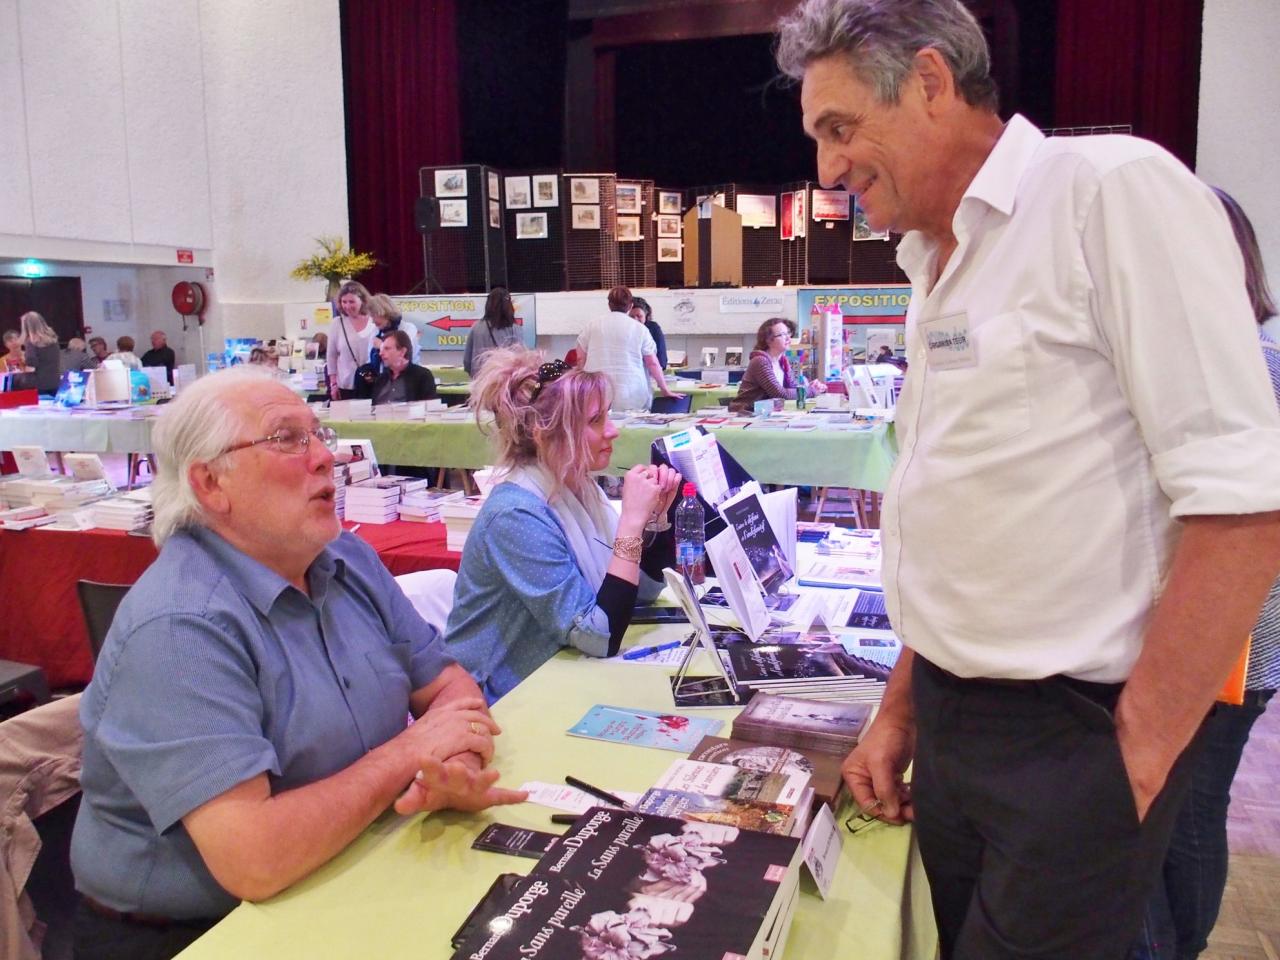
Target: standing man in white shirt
[624, 350]
[1080, 528]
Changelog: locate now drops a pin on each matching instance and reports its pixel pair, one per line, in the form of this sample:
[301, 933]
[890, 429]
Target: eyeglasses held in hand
[292, 440]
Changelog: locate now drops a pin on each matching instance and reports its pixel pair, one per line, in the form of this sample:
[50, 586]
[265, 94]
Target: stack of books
[377, 500]
[24, 518]
[823, 769]
[809, 671]
[423, 506]
[770, 801]
[350, 410]
[417, 410]
[61, 494]
[459, 516]
[626, 884]
[127, 511]
[806, 724]
[341, 479]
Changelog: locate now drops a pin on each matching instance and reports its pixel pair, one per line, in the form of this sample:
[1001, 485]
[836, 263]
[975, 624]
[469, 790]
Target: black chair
[680, 403]
[98, 603]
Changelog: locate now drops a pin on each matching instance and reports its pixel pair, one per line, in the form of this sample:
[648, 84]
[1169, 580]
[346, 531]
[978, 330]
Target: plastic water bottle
[690, 548]
[801, 390]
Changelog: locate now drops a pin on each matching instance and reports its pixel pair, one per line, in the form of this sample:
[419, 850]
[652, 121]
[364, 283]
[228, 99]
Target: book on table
[627, 884]
[823, 769]
[833, 727]
[765, 800]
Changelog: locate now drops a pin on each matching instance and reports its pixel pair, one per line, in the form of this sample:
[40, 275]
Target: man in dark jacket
[401, 380]
[160, 354]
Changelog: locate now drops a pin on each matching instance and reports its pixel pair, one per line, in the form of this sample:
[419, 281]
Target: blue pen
[639, 652]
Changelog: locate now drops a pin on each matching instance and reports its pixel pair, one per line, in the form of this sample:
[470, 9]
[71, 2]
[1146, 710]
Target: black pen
[604, 795]
[563, 818]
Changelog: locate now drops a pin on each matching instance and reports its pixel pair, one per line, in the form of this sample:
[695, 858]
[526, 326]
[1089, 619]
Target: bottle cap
[689, 489]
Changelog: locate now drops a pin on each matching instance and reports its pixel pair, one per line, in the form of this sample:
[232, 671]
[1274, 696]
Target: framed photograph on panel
[451, 183]
[862, 230]
[669, 251]
[798, 214]
[628, 197]
[758, 210]
[517, 193]
[493, 185]
[668, 226]
[546, 190]
[830, 205]
[584, 190]
[629, 228]
[586, 217]
[453, 213]
[669, 201]
[787, 231]
[495, 214]
[531, 226]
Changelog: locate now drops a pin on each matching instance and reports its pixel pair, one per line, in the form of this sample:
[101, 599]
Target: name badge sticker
[948, 342]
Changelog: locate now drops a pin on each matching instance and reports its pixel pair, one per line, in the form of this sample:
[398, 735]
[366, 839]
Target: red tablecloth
[42, 624]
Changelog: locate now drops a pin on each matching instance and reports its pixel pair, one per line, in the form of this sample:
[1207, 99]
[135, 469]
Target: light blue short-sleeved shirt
[216, 670]
[521, 596]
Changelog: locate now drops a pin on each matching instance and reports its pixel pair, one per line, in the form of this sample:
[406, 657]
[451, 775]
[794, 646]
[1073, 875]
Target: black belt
[142, 919]
[1058, 687]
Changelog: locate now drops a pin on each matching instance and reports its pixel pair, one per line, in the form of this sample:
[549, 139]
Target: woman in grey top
[497, 328]
[40, 344]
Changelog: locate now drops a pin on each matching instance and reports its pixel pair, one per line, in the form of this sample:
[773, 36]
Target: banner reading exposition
[869, 312]
[444, 320]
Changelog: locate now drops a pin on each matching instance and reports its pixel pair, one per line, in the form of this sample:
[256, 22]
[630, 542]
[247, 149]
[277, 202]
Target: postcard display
[637, 259]
[591, 235]
[535, 215]
[467, 251]
[669, 203]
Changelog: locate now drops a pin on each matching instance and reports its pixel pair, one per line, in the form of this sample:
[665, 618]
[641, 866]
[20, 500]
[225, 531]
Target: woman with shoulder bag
[496, 329]
[349, 344]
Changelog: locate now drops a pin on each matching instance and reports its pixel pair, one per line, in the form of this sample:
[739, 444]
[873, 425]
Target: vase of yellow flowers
[333, 263]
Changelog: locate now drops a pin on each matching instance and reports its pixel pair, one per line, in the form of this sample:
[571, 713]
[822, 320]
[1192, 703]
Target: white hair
[198, 427]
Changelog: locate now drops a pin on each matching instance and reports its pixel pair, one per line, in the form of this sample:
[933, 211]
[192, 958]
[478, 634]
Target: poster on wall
[443, 322]
[862, 230]
[668, 226]
[584, 190]
[798, 225]
[453, 213]
[451, 183]
[629, 229]
[495, 215]
[628, 198]
[493, 185]
[586, 217]
[669, 251]
[546, 190]
[517, 193]
[830, 205]
[531, 226]
[788, 216]
[758, 210]
[669, 201]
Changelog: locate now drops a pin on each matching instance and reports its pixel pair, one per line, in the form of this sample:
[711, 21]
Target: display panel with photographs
[670, 251]
[584, 190]
[586, 217]
[546, 190]
[451, 183]
[830, 205]
[758, 210]
[798, 225]
[453, 213]
[517, 193]
[493, 185]
[628, 195]
[629, 229]
[495, 214]
[669, 201]
[668, 226]
[531, 226]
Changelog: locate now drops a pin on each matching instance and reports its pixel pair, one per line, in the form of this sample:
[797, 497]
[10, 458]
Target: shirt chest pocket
[390, 666]
[966, 410]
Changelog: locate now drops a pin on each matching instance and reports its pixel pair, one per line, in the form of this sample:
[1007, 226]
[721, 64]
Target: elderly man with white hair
[246, 720]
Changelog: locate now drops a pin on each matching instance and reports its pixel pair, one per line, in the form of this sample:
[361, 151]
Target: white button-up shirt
[616, 344]
[1093, 375]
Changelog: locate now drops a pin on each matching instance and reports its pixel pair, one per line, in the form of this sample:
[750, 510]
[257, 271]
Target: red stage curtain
[400, 73]
[1135, 62]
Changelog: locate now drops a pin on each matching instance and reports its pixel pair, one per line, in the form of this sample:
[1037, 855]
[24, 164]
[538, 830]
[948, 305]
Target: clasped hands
[647, 493]
[451, 746]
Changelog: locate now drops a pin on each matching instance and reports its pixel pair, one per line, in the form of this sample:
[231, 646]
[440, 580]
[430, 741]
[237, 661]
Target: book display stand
[719, 682]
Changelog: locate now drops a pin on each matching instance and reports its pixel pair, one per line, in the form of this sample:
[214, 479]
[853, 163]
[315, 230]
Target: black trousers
[102, 938]
[1026, 820]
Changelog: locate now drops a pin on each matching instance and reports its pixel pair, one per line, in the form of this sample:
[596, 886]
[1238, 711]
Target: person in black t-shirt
[160, 354]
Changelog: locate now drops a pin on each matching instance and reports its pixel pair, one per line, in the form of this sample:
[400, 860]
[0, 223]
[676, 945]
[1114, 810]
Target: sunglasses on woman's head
[548, 373]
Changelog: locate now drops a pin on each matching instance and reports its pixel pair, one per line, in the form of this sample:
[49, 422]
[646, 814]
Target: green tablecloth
[816, 458]
[405, 885]
[702, 396]
[449, 374]
[76, 433]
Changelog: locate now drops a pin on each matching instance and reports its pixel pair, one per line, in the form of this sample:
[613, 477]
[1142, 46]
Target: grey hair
[881, 39]
[196, 428]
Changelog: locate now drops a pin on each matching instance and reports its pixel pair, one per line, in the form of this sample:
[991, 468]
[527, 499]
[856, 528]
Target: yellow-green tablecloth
[405, 885]
[76, 433]
[449, 374]
[816, 458]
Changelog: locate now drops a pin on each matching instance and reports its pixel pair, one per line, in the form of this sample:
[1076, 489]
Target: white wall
[1239, 133]
[135, 128]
